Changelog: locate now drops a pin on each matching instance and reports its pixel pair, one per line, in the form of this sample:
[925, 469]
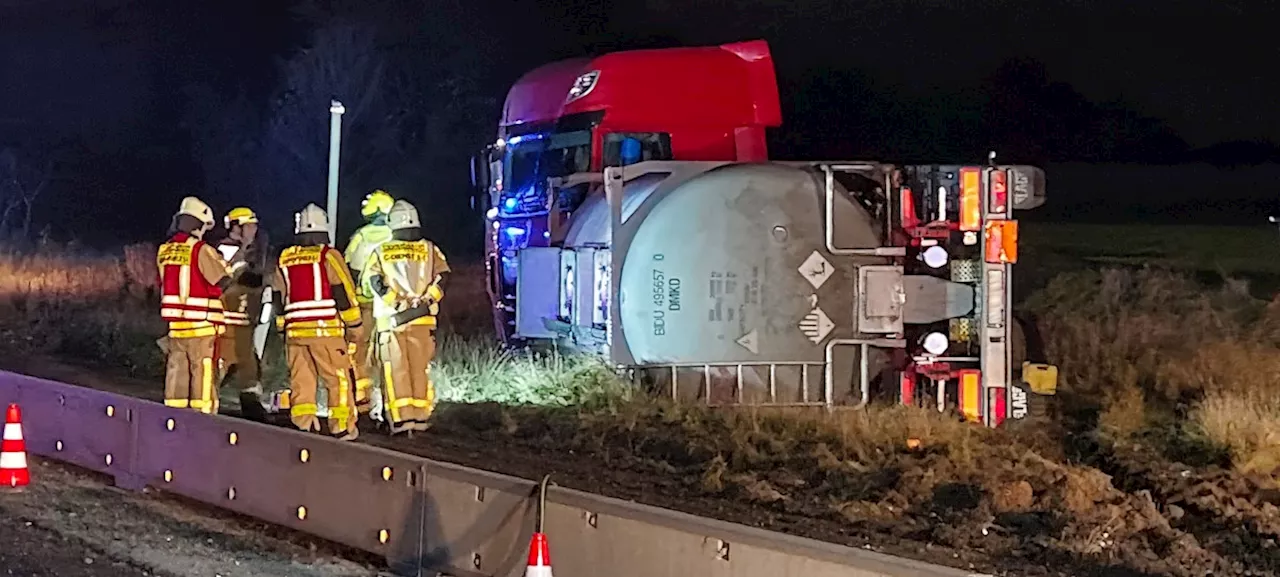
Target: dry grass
[476, 370]
[1248, 424]
[1151, 344]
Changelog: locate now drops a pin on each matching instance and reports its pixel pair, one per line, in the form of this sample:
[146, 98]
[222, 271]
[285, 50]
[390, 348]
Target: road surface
[70, 523]
[31, 551]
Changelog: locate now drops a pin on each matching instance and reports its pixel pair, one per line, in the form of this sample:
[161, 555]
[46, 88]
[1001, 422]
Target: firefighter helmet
[192, 206]
[311, 219]
[376, 202]
[239, 215]
[403, 215]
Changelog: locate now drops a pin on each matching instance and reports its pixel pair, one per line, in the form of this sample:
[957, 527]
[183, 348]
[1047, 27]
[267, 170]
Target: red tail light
[998, 406]
[908, 204]
[999, 192]
[907, 388]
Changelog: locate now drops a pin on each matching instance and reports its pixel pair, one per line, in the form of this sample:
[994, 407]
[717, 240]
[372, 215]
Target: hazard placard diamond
[816, 325]
[816, 270]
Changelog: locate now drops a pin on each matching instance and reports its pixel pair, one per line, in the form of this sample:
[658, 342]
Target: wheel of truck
[1026, 342]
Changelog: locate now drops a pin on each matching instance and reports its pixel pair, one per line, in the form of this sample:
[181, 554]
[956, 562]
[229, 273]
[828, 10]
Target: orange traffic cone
[539, 557]
[13, 451]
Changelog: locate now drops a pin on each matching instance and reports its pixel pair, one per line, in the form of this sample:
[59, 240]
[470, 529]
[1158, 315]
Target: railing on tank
[711, 373]
[826, 383]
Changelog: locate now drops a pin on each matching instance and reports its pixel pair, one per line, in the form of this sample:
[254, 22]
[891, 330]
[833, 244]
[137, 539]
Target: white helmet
[403, 215]
[192, 206]
[311, 219]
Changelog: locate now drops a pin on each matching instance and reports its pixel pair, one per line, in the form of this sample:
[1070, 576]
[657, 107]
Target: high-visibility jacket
[319, 296]
[407, 275]
[361, 246]
[189, 301]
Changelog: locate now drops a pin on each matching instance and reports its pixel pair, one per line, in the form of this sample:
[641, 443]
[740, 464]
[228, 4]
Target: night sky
[131, 95]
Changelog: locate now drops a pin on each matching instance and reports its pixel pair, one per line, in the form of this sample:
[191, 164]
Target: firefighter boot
[251, 404]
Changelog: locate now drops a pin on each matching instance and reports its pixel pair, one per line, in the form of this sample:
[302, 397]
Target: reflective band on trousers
[342, 412]
[191, 333]
[393, 405]
[206, 387]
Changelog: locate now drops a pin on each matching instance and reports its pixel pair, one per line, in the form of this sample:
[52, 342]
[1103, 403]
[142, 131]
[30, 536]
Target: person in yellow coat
[319, 308]
[406, 274]
[374, 209]
[192, 277]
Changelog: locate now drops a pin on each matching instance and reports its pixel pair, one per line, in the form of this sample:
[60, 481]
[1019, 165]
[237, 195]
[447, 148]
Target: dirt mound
[1231, 514]
[956, 495]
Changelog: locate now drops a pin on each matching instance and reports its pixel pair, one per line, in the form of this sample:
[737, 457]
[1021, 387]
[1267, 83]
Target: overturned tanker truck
[737, 280]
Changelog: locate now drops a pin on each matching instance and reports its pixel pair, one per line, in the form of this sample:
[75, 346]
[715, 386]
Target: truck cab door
[481, 180]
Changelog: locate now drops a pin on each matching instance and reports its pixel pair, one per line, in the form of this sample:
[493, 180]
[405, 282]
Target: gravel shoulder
[29, 550]
[72, 523]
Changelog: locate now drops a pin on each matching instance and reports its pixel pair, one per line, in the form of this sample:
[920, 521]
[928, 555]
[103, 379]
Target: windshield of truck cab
[533, 159]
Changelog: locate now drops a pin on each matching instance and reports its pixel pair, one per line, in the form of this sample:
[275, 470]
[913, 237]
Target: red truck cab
[582, 115]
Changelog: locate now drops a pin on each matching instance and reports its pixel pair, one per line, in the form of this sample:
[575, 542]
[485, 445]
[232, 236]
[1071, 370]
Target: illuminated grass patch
[475, 370]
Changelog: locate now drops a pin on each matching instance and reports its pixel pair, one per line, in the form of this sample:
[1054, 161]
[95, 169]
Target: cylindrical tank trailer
[772, 282]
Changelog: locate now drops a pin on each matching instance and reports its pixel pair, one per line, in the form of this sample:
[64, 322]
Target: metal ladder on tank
[739, 388]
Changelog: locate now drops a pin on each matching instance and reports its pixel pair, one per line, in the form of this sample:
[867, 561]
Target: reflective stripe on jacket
[188, 302]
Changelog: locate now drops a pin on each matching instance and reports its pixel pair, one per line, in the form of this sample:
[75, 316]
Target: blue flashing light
[514, 140]
[631, 151]
[509, 204]
[514, 231]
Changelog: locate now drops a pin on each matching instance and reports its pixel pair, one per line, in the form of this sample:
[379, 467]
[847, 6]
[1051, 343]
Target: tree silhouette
[24, 177]
[342, 61]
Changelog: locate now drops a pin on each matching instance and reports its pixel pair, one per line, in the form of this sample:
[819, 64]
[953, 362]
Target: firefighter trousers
[362, 337]
[239, 359]
[190, 373]
[408, 396]
[312, 361]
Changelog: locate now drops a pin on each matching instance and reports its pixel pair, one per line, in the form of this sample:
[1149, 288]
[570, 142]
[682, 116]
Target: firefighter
[192, 278]
[242, 307]
[406, 273]
[319, 308]
[374, 209]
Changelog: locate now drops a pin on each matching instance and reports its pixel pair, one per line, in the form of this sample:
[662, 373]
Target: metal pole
[336, 111]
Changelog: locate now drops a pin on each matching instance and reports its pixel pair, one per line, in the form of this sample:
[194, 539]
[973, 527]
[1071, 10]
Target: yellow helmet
[376, 202]
[239, 215]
